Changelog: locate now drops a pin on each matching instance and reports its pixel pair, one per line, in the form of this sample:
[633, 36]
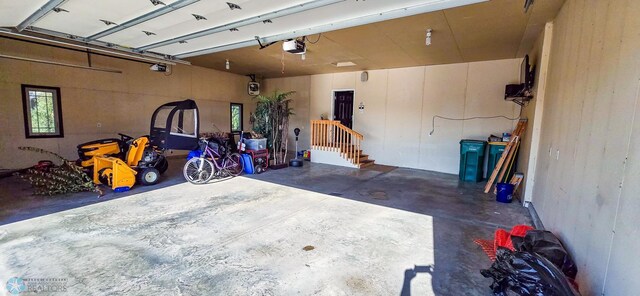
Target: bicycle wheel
[233, 164]
[198, 170]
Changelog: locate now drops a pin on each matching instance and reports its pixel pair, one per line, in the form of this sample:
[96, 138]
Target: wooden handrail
[332, 135]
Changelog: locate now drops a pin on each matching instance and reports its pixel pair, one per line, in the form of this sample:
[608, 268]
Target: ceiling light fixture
[227, 65]
[344, 64]
[428, 42]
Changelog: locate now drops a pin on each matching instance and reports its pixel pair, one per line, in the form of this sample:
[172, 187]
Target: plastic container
[505, 192]
[506, 137]
[256, 144]
[471, 160]
[495, 152]
[247, 163]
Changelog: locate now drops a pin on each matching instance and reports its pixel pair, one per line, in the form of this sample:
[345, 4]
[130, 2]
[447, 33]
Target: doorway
[343, 107]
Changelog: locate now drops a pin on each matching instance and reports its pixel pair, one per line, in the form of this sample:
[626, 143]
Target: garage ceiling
[373, 34]
[186, 28]
[498, 29]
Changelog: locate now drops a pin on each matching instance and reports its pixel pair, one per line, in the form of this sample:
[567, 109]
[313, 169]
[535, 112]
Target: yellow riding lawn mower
[121, 163]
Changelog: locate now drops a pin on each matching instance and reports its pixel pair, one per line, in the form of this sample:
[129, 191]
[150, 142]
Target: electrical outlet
[557, 154]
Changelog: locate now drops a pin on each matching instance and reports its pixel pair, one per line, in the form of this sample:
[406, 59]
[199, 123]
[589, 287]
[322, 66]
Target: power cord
[433, 119]
[314, 42]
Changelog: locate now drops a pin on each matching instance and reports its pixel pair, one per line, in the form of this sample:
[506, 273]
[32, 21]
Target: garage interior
[383, 207]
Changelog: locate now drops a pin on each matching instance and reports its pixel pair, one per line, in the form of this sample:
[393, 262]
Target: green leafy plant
[64, 178]
[272, 121]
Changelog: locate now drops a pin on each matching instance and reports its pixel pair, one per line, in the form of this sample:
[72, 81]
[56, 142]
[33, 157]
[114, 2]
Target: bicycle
[212, 164]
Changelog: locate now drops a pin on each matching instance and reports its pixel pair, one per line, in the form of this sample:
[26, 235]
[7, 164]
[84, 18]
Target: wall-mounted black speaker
[253, 88]
[514, 91]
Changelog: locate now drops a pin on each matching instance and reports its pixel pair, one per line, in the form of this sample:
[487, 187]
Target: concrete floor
[379, 231]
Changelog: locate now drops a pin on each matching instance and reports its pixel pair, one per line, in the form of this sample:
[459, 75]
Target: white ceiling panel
[297, 22]
[289, 19]
[182, 22]
[14, 12]
[83, 18]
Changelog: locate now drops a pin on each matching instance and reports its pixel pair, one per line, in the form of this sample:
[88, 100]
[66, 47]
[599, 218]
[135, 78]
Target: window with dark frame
[236, 117]
[42, 111]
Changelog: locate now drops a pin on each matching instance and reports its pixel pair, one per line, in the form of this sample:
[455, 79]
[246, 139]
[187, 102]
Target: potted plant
[272, 120]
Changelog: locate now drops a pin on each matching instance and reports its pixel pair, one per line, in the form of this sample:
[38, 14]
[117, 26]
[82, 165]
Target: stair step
[366, 163]
[347, 150]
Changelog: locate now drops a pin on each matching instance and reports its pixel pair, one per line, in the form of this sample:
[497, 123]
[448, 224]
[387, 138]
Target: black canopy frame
[162, 134]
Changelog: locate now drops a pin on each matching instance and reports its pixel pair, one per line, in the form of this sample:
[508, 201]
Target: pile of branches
[64, 178]
[220, 136]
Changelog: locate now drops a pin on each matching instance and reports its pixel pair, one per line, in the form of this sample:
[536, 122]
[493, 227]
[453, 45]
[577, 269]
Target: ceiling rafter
[245, 22]
[96, 45]
[38, 14]
[377, 17]
[143, 18]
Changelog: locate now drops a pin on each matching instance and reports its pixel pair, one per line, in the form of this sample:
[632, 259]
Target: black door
[343, 107]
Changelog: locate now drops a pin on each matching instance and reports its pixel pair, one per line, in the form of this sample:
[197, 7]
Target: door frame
[353, 110]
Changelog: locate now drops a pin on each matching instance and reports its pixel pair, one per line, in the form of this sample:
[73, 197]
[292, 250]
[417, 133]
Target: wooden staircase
[331, 135]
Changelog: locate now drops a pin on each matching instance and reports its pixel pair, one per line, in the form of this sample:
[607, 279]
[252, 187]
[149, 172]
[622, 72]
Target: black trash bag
[527, 274]
[546, 244]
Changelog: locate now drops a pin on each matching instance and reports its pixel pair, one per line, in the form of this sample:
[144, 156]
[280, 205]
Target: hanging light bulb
[227, 65]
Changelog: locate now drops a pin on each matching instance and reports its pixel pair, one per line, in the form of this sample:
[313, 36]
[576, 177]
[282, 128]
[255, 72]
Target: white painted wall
[400, 103]
[588, 169]
[330, 157]
[533, 110]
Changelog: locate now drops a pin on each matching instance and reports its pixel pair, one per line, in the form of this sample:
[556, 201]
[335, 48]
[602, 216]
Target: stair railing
[331, 135]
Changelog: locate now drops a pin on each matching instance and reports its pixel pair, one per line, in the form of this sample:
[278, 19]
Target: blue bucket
[505, 192]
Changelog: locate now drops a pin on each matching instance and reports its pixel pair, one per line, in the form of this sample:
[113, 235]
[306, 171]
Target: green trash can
[471, 160]
[495, 152]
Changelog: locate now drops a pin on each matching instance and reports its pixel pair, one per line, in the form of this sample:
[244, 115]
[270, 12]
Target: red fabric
[520, 230]
[502, 238]
[488, 247]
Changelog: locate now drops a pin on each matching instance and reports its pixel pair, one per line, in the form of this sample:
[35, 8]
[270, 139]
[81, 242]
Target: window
[42, 112]
[236, 117]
